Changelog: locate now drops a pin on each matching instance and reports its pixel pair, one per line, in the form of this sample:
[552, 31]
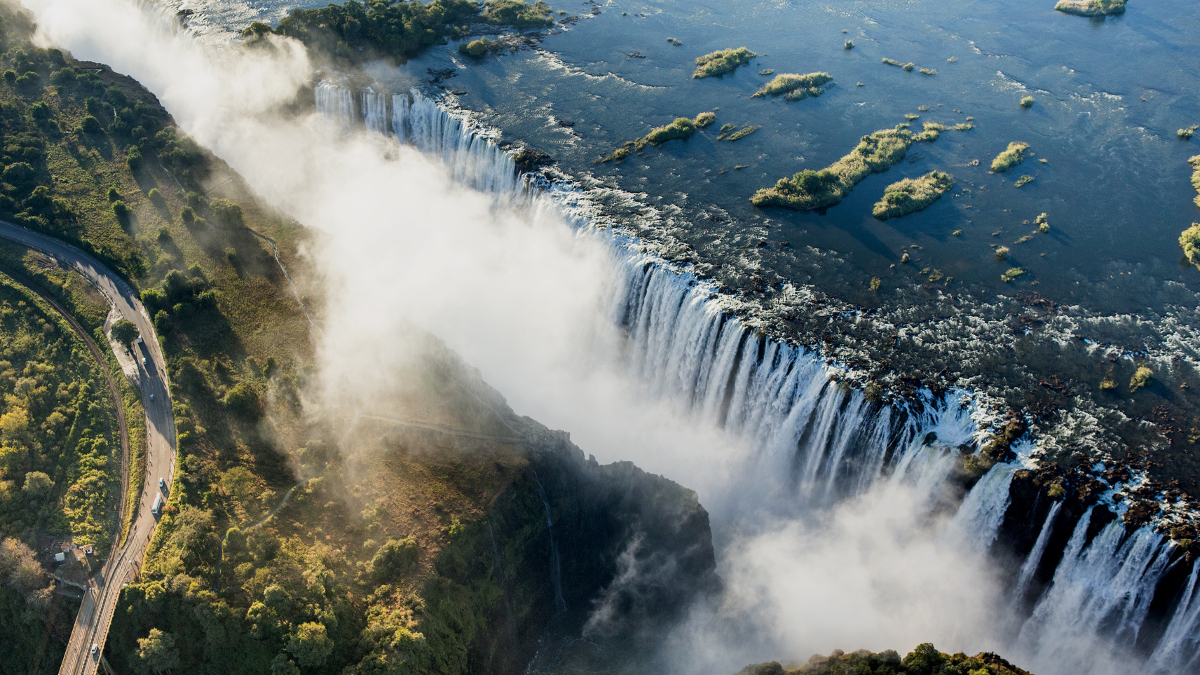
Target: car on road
[143, 360]
[151, 397]
[95, 649]
[140, 341]
[162, 484]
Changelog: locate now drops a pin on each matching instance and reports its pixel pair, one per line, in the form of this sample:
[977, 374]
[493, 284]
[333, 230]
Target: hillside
[414, 538]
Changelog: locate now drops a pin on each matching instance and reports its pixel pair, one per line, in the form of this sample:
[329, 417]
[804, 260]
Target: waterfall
[555, 565]
[982, 511]
[829, 441]
[1029, 568]
[512, 626]
[374, 111]
[337, 104]
[1101, 590]
[1177, 650]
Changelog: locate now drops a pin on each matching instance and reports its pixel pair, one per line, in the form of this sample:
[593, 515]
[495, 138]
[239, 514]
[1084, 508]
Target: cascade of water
[512, 626]
[1029, 568]
[555, 566]
[336, 103]
[374, 111]
[982, 511]
[473, 159]
[686, 343]
[1178, 650]
[1101, 590]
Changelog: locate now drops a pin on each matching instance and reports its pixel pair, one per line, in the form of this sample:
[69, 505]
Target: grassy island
[682, 128]
[1012, 156]
[722, 62]
[1189, 241]
[810, 190]
[1194, 161]
[795, 87]
[912, 194]
[728, 132]
[1091, 7]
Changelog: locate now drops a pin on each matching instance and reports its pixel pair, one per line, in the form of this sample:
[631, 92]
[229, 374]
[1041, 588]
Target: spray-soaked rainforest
[605, 337]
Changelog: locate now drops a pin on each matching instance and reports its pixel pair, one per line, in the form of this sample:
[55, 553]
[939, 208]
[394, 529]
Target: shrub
[1141, 377]
[226, 214]
[849, 44]
[113, 195]
[722, 62]
[133, 158]
[156, 197]
[10, 77]
[164, 234]
[310, 644]
[242, 400]
[704, 119]
[1189, 241]
[195, 200]
[121, 211]
[395, 559]
[1001, 252]
[1027, 102]
[187, 215]
[90, 125]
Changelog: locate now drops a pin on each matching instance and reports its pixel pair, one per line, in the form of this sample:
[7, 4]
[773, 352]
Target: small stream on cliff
[839, 517]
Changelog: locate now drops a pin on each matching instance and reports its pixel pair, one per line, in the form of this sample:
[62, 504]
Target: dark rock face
[610, 553]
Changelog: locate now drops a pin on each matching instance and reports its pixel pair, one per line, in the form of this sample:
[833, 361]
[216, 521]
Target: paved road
[100, 601]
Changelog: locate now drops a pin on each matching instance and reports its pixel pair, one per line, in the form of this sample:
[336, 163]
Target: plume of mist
[521, 296]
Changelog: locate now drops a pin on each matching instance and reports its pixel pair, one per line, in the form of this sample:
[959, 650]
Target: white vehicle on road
[95, 649]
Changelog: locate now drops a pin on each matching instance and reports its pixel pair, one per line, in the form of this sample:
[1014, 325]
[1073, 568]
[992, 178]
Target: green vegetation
[810, 190]
[766, 71]
[1024, 180]
[912, 194]
[477, 49]
[924, 660]
[1027, 102]
[1011, 273]
[1185, 134]
[928, 71]
[1141, 377]
[1043, 223]
[795, 87]
[729, 134]
[1012, 156]
[60, 450]
[1090, 7]
[1001, 253]
[1189, 241]
[1194, 162]
[721, 62]
[682, 128]
[355, 32]
[849, 44]
[677, 43]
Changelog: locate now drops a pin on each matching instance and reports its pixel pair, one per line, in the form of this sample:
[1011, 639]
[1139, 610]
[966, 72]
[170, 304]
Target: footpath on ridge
[104, 589]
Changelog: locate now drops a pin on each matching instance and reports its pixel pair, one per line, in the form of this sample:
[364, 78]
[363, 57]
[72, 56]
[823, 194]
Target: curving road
[104, 589]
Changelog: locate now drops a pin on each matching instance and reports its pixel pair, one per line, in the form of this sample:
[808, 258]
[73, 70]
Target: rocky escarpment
[589, 550]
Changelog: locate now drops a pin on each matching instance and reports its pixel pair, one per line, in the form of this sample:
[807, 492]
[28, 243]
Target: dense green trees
[157, 652]
[356, 31]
